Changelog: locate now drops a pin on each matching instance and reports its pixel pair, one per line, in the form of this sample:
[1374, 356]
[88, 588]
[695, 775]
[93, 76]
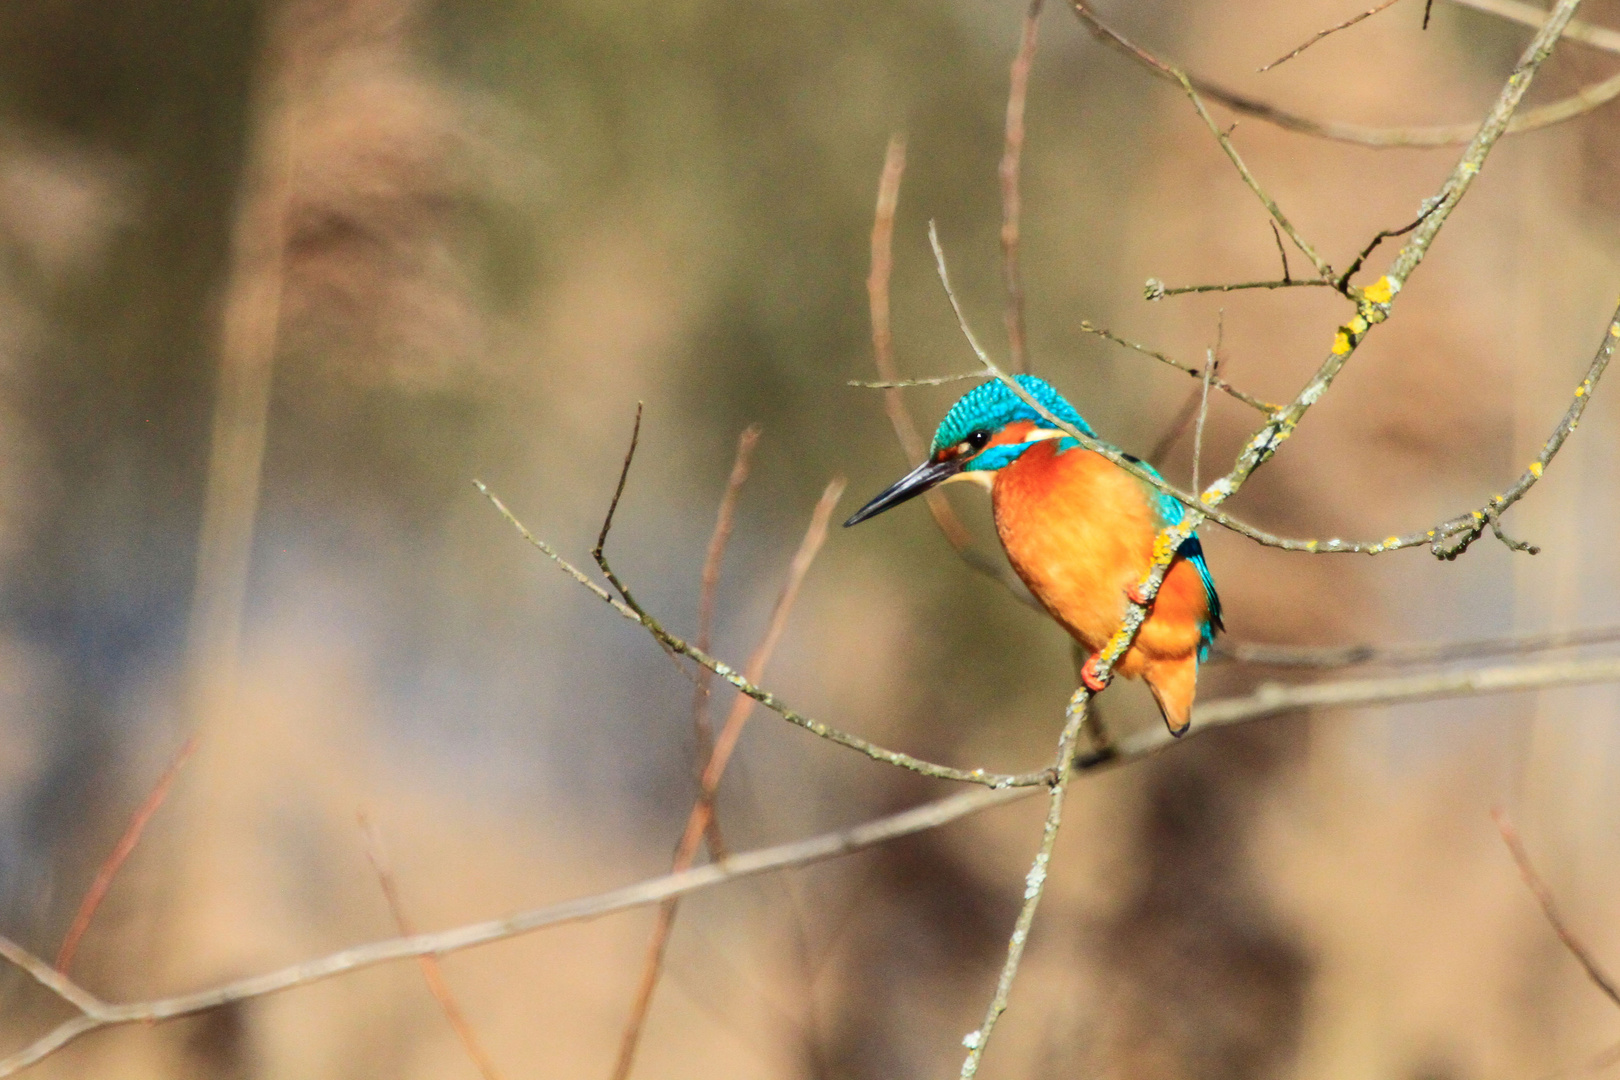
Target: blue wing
[1170, 513]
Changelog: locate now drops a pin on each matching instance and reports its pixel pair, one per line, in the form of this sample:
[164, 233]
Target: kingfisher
[1079, 531]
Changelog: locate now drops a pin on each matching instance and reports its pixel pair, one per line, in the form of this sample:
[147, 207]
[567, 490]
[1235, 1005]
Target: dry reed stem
[432, 973]
[97, 891]
[724, 520]
[703, 811]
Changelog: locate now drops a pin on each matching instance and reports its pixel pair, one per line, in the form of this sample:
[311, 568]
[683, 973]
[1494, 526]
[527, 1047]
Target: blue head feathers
[992, 406]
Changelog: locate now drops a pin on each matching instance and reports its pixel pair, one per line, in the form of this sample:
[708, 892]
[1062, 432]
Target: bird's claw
[1134, 595]
[1088, 675]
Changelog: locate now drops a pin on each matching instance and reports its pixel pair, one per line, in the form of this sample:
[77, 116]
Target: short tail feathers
[1174, 682]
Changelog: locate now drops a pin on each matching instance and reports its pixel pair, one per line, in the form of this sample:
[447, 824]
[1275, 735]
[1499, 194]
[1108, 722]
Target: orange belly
[1079, 532]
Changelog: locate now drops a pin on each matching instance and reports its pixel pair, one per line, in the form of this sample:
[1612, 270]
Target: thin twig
[703, 811]
[1557, 112]
[607, 520]
[1387, 234]
[1218, 383]
[931, 380]
[894, 403]
[432, 974]
[1549, 908]
[1282, 252]
[1203, 415]
[1011, 202]
[95, 1013]
[1320, 34]
[1338, 656]
[97, 891]
[1223, 136]
[1155, 289]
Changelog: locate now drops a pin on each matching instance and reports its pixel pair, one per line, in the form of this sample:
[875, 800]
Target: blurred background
[482, 234]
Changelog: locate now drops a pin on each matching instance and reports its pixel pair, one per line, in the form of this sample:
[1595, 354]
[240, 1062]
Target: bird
[1079, 531]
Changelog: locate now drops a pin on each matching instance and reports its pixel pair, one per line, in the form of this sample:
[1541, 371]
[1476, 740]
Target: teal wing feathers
[1170, 512]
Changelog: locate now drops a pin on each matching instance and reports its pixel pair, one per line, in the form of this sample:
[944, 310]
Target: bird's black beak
[909, 486]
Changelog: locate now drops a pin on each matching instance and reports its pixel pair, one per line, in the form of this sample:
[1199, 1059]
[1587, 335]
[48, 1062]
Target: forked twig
[1320, 34]
[607, 520]
[703, 812]
[1549, 908]
[97, 892]
[432, 973]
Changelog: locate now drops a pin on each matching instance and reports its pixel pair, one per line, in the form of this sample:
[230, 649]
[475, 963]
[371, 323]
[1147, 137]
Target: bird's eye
[974, 442]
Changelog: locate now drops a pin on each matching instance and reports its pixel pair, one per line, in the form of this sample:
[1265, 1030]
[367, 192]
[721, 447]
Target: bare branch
[1320, 34]
[138, 821]
[1557, 112]
[1011, 201]
[931, 380]
[607, 521]
[1157, 290]
[1034, 884]
[1272, 699]
[1549, 908]
[1337, 656]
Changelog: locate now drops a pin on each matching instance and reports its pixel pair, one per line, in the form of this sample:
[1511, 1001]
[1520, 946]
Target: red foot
[1089, 676]
[1134, 595]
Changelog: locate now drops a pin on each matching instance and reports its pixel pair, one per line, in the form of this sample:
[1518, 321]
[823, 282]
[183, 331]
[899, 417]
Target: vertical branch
[97, 892]
[1011, 200]
[432, 973]
[697, 823]
[1034, 884]
[1211, 359]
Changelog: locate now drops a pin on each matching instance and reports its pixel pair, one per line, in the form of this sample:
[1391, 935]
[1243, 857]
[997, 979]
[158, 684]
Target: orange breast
[1079, 531]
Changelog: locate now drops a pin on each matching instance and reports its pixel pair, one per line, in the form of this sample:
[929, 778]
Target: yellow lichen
[1358, 325]
[1392, 541]
[1341, 343]
[1535, 469]
[1380, 291]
